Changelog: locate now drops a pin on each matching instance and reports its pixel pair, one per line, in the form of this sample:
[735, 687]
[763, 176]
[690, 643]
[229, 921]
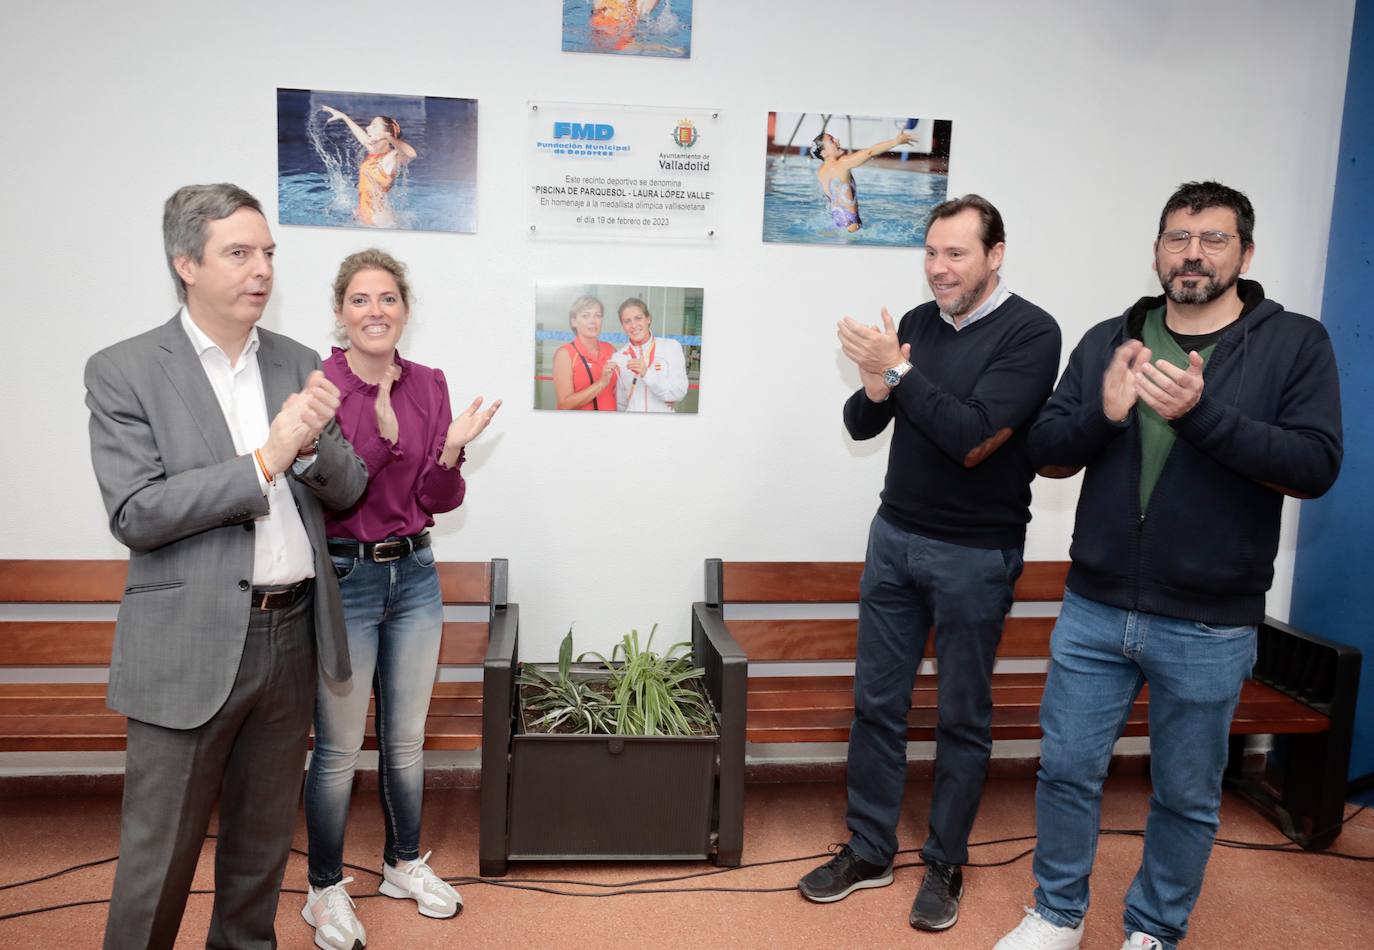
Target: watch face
[891, 377]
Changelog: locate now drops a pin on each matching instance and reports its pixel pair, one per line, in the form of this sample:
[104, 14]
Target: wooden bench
[1303, 687]
[39, 715]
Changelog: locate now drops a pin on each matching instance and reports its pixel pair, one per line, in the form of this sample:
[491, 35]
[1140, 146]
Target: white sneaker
[330, 912]
[414, 879]
[1036, 933]
[1142, 941]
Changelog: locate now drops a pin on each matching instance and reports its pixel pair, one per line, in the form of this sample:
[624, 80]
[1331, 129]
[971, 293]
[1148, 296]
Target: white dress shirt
[282, 553]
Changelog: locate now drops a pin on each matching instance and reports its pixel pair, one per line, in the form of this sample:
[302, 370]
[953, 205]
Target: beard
[1208, 288]
[962, 304]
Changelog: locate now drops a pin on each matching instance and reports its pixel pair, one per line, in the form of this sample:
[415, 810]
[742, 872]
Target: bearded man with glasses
[1193, 414]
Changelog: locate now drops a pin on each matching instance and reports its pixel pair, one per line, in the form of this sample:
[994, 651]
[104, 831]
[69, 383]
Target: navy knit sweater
[1268, 425]
[959, 469]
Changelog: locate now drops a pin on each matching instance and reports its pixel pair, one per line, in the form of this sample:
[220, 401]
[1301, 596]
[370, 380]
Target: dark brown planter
[567, 797]
[611, 797]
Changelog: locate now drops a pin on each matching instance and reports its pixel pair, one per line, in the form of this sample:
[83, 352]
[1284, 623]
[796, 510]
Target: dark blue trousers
[911, 583]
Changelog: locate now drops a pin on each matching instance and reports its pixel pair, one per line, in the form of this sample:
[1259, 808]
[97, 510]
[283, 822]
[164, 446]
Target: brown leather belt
[276, 598]
[380, 551]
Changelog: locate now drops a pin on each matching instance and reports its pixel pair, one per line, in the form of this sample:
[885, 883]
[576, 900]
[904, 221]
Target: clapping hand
[1168, 390]
[465, 427]
[302, 418]
[386, 413]
[872, 349]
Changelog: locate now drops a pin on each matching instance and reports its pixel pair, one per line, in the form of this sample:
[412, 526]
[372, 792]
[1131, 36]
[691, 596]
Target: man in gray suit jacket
[231, 599]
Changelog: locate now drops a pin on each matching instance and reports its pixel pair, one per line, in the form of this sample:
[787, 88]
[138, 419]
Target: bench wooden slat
[812, 725]
[105, 732]
[62, 582]
[1008, 689]
[56, 642]
[837, 582]
[837, 639]
[465, 582]
[90, 642]
[102, 581]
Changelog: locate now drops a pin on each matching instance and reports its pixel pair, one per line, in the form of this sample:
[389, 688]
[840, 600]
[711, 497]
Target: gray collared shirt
[995, 300]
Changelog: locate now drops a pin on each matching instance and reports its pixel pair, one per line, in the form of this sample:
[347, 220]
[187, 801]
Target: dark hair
[186, 221]
[818, 143]
[993, 233]
[392, 126]
[1200, 195]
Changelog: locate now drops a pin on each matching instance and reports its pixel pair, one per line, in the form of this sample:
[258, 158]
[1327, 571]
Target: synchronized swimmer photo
[358, 160]
[387, 153]
[628, 27]
[815, 187]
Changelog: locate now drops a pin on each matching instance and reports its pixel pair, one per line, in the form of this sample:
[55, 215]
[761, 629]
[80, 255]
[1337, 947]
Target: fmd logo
[588, 131]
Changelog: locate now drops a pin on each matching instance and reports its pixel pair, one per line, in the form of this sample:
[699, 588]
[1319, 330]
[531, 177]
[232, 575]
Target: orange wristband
[257, 454]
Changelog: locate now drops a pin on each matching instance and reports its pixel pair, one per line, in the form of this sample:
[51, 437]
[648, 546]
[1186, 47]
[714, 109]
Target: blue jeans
[395, 614]
[1100, 656]
[909, 583]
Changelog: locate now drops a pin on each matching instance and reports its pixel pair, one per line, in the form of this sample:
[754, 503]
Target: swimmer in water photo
[836, 180]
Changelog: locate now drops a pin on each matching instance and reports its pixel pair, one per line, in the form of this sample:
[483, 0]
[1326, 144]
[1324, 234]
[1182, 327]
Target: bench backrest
[55, 641]
[782, 584]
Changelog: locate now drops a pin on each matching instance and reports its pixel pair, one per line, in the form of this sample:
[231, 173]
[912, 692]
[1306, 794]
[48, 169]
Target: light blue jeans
[395, 614]
[1100, 656]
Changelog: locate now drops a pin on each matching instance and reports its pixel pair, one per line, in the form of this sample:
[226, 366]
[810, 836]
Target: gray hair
[582, 303]
[186, 221]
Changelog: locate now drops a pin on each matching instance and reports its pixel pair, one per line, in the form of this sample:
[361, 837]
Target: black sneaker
[937, 902]
[841, 876]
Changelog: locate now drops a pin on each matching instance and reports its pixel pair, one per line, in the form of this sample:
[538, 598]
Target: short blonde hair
[582, 303]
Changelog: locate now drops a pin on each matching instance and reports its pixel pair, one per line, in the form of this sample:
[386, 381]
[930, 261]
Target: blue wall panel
[1333, 581]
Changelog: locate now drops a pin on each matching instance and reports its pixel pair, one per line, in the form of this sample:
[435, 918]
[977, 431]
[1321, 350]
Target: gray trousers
[250, 756]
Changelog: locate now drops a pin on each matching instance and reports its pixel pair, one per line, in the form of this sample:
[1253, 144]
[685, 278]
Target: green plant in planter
[563, 701]
[653, 694]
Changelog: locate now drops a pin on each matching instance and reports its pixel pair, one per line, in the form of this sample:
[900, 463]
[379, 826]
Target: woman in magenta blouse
[396, 414]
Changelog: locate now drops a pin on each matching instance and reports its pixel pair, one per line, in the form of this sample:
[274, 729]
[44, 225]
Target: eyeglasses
[1212, 242]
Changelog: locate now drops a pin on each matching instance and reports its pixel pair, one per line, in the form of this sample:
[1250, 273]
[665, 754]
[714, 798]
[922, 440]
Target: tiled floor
[1251, 900]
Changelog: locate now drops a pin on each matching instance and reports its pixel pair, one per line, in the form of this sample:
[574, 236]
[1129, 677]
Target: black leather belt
[380, 551]
[275, 598]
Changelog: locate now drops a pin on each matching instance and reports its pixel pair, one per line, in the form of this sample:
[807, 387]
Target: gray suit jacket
[184, 504]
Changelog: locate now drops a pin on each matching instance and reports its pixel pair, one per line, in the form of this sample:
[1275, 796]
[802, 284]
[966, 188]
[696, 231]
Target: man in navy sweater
[1193, 414]
[961, 379]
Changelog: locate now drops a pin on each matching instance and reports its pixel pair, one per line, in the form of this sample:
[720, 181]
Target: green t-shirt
[1156, 435]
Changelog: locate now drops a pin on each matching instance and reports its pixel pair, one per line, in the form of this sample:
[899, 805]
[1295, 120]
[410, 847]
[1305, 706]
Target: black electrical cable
[637, 887]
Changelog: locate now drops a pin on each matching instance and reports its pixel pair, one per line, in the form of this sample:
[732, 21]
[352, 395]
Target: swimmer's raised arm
[358, 132]
[859, 156]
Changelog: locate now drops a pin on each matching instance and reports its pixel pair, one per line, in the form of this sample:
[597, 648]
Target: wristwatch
[893, 374]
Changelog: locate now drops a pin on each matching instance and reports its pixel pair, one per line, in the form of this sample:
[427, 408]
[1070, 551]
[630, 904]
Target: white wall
[1076, 118]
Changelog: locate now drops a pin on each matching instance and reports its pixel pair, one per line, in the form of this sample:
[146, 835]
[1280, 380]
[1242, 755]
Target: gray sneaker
[415, 880]
[330, 911]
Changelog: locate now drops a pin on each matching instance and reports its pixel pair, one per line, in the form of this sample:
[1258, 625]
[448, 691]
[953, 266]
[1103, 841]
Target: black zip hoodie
[1268, 425]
